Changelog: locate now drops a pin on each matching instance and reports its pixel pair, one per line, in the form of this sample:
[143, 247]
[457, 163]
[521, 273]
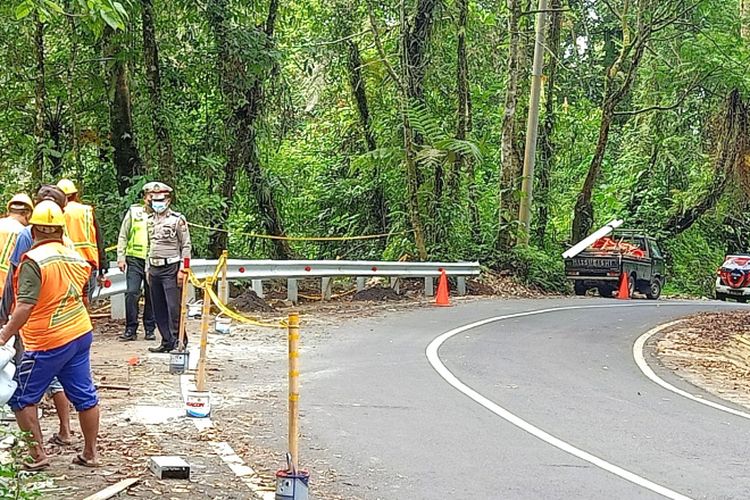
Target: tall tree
[40, 103]
[126, 158]
[547, 150]
[167, 168]
[509, 156]
[243, 89]
[463, 123]
[637, 27]
[359, 92]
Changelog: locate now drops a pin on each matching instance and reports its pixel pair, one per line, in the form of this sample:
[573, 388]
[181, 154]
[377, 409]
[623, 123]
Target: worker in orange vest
[54, 324]
[19, 211]
[84, 231]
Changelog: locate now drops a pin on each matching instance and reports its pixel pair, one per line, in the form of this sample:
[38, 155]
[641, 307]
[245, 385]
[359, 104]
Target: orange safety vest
[60, 315]
[9, 229]
[79, 222]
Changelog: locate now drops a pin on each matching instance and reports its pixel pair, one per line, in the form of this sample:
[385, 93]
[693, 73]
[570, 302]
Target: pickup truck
[602, 264]
[733, 280]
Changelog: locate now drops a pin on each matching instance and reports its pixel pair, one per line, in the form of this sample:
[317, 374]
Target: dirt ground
[143, 413]
[711, 351]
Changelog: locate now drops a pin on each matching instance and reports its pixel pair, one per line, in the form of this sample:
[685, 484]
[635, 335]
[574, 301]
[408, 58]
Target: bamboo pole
[201, 377]
[183, 307]
[294, 388]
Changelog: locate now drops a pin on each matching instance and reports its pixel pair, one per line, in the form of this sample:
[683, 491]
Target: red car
[733, 280]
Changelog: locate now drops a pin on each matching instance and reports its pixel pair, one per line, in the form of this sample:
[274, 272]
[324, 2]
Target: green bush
[535, 267]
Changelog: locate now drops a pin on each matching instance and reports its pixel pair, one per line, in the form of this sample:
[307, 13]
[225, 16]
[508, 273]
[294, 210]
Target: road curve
[392, 427]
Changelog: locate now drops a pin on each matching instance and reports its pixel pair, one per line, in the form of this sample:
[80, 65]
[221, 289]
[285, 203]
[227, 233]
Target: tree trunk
[167, 169]
[547, 150]
[463, 125]
[246, 101]
[40, 103]
[357, 83]
[732, 152]
[410, 54]
[72, 105]
[126, 158]
[745, 20]
[511, 166]
[417, 41]
[614, 94]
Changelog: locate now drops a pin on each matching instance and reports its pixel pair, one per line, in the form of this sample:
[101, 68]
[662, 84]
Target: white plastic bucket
[195, 309]
[198, 404]
[223, 325]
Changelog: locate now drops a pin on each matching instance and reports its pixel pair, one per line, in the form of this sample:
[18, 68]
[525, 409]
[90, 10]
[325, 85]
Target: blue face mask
[159, 206]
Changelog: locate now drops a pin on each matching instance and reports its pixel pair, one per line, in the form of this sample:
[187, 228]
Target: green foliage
[538, 268]
[310, 138]
[14, 483]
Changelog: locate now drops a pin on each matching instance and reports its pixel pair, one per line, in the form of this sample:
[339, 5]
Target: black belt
[164, 262]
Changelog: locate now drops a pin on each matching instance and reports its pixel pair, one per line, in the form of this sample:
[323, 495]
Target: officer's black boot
[161, 348]
[150, 335]
[128, 336]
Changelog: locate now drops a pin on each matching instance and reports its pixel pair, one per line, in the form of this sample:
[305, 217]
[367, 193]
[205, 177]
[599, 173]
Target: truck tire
[606, 291]
[631, 284]
[721, 297]
[580, 288]
[654, 291]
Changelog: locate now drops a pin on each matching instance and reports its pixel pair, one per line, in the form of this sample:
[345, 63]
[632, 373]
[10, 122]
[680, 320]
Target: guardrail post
[325, 288]
[117, 306]
[461, 285]
[292, 291]
[429, 286]
[396, 285]
[258, 288]
[224, 283]
[360, 283]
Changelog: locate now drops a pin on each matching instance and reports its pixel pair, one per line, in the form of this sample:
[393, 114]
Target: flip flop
[35, 466]
[80, 460]
[58, 441]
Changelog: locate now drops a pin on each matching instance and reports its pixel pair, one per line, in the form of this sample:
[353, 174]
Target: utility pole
[532, 126]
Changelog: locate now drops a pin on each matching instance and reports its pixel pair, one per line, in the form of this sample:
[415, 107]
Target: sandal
[35, 466]
[80, 460]
[58, 441]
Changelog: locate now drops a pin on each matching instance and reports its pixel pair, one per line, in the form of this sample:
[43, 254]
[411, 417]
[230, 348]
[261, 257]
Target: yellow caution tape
[226, 310]
[110, 249]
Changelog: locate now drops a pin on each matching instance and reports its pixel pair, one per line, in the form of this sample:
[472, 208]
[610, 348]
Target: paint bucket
[178, 362]
[195, 309]
[198, 404]
[223, 325]
[292, 485]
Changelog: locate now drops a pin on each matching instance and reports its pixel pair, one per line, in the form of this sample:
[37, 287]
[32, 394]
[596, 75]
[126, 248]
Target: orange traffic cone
[443, 293]
[624, 292]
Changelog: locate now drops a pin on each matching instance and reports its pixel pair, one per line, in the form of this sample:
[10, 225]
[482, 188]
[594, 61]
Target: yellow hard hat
[21, 199]
[47, 213]
[67, 187]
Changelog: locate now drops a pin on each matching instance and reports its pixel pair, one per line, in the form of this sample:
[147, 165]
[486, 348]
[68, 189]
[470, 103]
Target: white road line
[640, 360]
[443, 371]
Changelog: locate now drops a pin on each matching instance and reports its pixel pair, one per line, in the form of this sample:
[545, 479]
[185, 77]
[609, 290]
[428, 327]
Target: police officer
[132, 252]
[169, 245]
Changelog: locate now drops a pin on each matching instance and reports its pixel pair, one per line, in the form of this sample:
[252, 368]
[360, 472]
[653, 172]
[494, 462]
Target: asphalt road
[394, 428]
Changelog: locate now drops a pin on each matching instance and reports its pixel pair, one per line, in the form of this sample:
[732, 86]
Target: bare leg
[62, 405]
[28, 421]
[90, 426]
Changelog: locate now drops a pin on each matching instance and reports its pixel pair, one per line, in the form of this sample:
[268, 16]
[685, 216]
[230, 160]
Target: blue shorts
[70, 363]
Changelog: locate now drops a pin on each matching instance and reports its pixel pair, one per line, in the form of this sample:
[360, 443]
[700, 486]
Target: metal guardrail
[293, 270]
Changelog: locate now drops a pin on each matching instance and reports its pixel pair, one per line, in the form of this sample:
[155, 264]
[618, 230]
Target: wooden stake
[201, 377]
[294, 388]
[183, 310]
